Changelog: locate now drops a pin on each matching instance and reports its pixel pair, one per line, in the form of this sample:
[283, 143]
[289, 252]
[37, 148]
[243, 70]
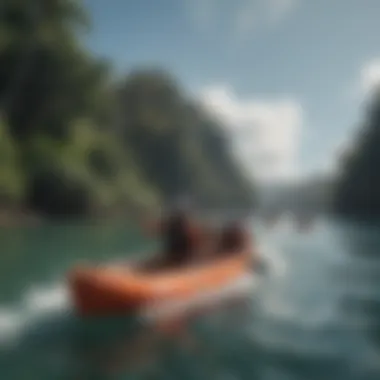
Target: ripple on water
[305, 322]
[37, 303]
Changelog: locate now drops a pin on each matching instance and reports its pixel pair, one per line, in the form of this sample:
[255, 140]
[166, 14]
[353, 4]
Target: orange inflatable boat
[118, 290]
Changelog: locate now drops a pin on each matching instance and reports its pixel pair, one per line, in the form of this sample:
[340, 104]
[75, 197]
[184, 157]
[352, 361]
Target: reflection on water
[316, 316]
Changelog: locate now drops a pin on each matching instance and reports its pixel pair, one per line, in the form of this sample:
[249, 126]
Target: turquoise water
[316, 315]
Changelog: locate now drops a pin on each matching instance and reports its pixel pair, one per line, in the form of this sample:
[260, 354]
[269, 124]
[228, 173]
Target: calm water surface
[316, 315]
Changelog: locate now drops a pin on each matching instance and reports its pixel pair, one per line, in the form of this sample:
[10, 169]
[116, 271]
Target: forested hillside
[357, 193]
[76, 142]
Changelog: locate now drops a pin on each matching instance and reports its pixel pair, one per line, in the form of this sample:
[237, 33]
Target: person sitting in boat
[234, 239]
[181, 236]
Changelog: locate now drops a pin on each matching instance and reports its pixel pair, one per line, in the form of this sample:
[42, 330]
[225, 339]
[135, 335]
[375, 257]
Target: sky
[288, 78]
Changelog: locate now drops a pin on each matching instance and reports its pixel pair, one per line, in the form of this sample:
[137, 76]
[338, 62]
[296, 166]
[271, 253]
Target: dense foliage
[357, 193]
[74, 143]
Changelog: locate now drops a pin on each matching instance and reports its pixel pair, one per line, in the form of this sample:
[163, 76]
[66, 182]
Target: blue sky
[294, 72]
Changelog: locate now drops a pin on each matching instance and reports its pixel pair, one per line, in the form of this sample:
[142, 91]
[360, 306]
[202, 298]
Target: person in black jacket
[181, 236]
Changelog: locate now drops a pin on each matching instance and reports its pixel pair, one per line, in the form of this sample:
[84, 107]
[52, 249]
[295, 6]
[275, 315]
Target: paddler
[181, 236]
[235, 239]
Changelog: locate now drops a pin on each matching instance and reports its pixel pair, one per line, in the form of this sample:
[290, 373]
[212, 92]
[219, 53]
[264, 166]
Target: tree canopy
[76, 142]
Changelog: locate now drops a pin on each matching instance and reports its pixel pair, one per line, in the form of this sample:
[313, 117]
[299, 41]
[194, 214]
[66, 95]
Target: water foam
[11, 324]
[37, 302]
[239, 287]
[41, 300]
[273, 259]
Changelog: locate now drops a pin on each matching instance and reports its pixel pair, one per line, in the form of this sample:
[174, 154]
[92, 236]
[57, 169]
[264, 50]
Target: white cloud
[370, 76]
[266, 133]
[367, 80]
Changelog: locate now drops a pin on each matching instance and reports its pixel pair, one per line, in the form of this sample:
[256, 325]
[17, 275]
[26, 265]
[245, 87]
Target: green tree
[47, 78]
[87, 173]
[77, 144]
